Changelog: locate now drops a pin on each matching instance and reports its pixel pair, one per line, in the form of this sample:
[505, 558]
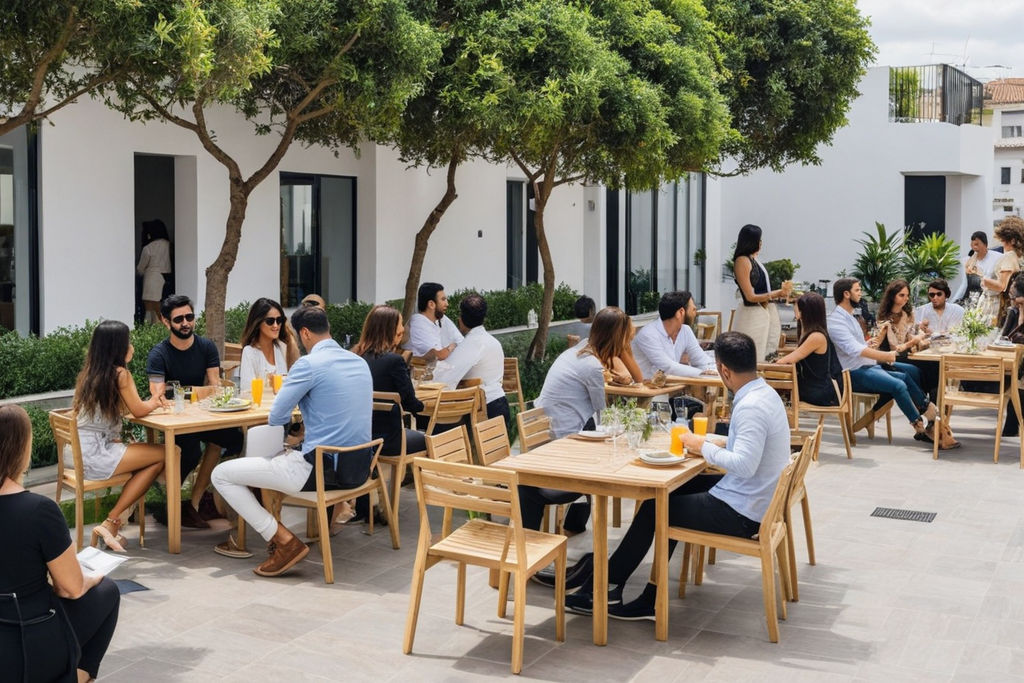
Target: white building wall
[814, 214]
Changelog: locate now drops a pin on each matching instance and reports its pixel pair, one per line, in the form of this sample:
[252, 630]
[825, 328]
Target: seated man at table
[334, 392]
[756, 452]
[432, 335]
[479, 355]
[862, 360]
[190, 360]
[939, 315]
[661, 345]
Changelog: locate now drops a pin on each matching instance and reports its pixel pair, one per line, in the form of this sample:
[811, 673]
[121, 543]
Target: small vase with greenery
[974, 326]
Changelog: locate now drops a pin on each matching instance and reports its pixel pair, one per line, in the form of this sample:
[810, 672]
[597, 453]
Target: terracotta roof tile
[1005, 91]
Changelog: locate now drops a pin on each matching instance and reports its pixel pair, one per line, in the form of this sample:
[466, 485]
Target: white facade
[813, 214]
[1008, 165]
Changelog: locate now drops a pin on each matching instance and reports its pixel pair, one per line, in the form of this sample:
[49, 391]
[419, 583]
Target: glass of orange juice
[675, 446]
[278, 380]
[257, 390]
[194, 395]
[700, 425]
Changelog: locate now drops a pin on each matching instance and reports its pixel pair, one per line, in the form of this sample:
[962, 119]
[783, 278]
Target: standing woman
[268, 345]
[1011, 233]
[154, 262]
[757, 317]
[57, 632]
[381, 335]
[104, 389]
[817, 365]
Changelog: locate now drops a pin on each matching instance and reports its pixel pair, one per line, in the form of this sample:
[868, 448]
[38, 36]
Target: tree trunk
[419, 252]
[218, 271]
[539, 345]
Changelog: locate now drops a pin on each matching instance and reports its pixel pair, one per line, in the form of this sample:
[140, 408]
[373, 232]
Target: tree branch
[570, 179]
[94, 82]
[200, 129]
[163, 111]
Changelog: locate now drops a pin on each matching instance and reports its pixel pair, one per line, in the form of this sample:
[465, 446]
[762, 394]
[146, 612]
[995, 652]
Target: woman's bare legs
[152, 311]
[145, 461]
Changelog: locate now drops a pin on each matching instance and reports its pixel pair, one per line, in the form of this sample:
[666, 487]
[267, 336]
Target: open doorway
[154, 221]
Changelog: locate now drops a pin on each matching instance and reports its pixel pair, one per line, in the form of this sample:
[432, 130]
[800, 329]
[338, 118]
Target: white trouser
[287, 472]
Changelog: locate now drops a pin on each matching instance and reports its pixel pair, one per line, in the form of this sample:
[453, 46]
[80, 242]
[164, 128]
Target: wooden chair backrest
[716, 327]
[782, 378]
[777, 506]
[534, 429]
[960, 367]
[64, 424]
[803, 460]
[232, 353]
[449, 446]
[339, 451]
[453, 405]
[732, 316]
[384, 402]
[511, 383]
[491, 438]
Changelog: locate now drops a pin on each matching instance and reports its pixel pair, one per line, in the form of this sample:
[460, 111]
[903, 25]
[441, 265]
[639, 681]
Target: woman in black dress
[382, 333]
[816, 362]
[47, 633]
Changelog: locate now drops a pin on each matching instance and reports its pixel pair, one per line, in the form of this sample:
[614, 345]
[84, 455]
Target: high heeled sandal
[114, 540]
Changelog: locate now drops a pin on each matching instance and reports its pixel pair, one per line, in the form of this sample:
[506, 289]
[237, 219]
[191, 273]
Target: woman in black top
[757, 317]
[382, 333]
[817, 365]
[57, 633]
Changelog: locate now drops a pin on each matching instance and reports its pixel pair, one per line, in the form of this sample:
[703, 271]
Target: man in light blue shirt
[661, 345]
[754, 455]
[334, 391]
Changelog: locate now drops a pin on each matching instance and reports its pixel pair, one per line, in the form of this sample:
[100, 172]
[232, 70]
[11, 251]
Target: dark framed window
[1004, 175]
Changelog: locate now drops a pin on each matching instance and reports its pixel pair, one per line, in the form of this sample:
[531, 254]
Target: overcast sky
[978, 33]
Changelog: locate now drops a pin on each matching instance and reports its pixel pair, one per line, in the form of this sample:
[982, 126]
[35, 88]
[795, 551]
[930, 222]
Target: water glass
[179, 397]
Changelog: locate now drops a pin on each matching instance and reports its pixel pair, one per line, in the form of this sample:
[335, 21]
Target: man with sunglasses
[191, 360]
[940, 315]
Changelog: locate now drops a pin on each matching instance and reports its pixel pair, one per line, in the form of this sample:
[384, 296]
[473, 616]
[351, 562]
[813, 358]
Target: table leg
[600, 533]
[172, 475]
[661, 564]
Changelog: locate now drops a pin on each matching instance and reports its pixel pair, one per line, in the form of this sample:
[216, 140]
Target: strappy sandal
[110, 532]
[230, 548]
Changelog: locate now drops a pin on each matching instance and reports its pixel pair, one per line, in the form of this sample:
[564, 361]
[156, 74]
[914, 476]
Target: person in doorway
[154, 264]
[432, 335]
[191, 360]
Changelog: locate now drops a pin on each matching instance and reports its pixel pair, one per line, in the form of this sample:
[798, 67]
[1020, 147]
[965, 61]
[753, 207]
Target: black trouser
[499, 408]
[93, 618]
[689, 506]
[532, 501]
[191, 449]
[415, 442]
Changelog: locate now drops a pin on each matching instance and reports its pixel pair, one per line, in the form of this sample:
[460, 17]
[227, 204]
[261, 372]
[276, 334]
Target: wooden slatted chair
[767, 545]
[386, 402]
[732, 317]
[782, 378]
[64, 424]
[491, 440]
[511, 383]
[864, 415]
[321, 499]
[508, 549]
[798, 494]
[454, 405]
[534, 429]
[450, 446]
[716, 325]
[843, 412]
[955, 368]
[231, 361]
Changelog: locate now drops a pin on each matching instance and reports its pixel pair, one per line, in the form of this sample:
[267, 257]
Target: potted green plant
[879, 261]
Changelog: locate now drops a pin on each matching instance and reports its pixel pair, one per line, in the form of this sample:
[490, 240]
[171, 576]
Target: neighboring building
[1005, 98]
[913, 154]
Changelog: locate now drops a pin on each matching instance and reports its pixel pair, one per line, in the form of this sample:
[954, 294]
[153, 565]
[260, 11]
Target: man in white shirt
[756, 452]
[940, 315]
[661, 345]
[980, 262]
[862, 359]
[478, 355]
[431, 333]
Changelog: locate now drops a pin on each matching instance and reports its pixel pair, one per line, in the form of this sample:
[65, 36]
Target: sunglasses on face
[932, 295]
[179, 319]
[274, 321]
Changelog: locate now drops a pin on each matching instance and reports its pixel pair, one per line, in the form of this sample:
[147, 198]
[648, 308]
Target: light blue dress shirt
[334, 390]
[756, 452]
[848, 337]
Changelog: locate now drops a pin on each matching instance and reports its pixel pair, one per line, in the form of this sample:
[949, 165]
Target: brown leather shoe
[190, 518]
[282, 557]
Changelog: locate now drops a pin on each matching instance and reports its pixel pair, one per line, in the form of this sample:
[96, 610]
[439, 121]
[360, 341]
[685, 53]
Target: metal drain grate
[896, 513]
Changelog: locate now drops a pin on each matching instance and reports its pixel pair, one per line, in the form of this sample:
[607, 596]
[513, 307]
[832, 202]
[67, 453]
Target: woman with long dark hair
[757, 316]
[55, 621]
[268, 344]
[901, 334]
[817, 366]
[104, 389]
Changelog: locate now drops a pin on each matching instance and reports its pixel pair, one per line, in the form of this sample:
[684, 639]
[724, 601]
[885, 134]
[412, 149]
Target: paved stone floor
[888, 600]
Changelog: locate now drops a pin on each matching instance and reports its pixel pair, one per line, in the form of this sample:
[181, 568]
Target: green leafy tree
[623, 93]
[319, 71]
[54, 51]
[793, 67]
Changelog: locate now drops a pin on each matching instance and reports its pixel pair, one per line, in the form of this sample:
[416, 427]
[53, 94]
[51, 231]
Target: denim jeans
[900, 383]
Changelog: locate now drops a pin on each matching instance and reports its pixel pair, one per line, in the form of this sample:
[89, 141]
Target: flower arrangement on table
[974, 326]
[629, 416]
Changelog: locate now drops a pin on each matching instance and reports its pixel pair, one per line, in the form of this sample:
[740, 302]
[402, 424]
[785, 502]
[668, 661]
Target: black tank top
[757, 280]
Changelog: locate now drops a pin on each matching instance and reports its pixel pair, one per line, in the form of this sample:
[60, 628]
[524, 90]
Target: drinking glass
[257, 390]
[178, 392]
[278, 381]
[679, 403]
[700, 425]
[676, 440]
[664, 413]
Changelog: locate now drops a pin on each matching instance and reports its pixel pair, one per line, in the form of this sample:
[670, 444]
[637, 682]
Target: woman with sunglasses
[268, 345]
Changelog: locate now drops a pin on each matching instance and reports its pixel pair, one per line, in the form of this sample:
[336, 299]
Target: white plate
[233, 406]
[592, 435]
[652, 459]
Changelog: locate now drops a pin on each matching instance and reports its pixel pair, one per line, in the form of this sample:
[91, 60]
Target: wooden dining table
[602, 470]
[194, 418]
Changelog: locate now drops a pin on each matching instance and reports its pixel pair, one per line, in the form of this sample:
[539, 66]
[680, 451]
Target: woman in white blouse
[154, 263]
[268, 345]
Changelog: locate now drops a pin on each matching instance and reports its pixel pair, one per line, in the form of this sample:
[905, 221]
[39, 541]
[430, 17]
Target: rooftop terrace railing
[934, 93]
